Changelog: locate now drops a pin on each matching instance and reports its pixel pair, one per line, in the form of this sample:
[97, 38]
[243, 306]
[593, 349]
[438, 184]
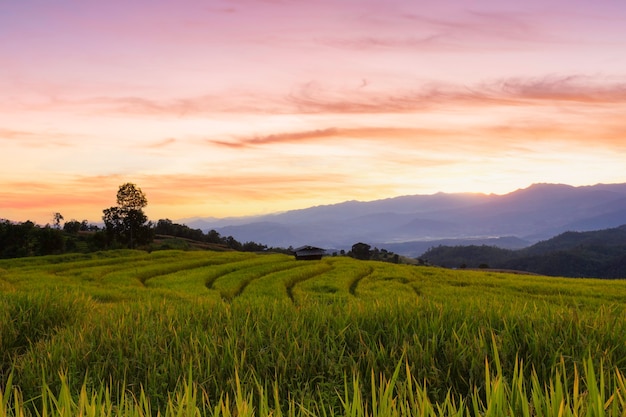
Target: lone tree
[361, 251]
[56, 220]
[126, 223]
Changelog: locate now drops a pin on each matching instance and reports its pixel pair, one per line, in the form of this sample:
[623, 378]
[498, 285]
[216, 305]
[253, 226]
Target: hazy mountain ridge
[535, 213]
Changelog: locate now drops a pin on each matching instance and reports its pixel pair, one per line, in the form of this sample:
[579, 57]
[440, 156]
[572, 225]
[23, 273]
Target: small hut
[308, 253]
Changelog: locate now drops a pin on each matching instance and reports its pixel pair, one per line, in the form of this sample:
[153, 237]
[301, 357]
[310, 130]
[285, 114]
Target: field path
[309, 274]
[355, 283]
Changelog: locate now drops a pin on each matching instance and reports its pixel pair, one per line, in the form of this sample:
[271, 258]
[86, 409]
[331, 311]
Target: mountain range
[409, 225]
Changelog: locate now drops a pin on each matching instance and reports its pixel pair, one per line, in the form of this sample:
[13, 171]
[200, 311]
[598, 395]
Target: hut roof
[308, 248]
[309, 252]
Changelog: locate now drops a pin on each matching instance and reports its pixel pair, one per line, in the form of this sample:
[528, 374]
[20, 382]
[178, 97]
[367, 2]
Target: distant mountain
[414, 222]
[599, 254]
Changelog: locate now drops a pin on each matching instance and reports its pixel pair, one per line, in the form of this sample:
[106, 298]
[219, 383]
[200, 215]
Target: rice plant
[585, 395]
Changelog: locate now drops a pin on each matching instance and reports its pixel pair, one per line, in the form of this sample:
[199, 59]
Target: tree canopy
[126, 223]
[130, 197]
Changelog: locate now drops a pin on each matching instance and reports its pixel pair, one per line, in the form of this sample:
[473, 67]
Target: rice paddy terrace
[235, 333]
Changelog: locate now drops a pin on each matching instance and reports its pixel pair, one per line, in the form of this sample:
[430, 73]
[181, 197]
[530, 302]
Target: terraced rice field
[231, 333]
[126, 275]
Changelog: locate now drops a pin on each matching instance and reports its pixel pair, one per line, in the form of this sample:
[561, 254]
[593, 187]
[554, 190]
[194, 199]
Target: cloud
[36, 200]
[293, 137]
[572, 88]
[314, 98]
[413, 137]
[43, 199]
[16, 134]
[161, 144]
[318, 97]
[180, 195]
[443, 32]
[434, 42]
[508, 133]
[139, 105]
[493, 26]
[34, 139]
[202, 105]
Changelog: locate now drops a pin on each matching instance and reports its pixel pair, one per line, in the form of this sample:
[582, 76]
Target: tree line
[168, 228]
[125, 226]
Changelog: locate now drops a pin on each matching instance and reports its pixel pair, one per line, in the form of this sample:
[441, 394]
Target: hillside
[600, 254]
[411, 222]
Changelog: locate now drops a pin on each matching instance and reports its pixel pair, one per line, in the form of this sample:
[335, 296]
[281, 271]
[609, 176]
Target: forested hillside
[600, 254]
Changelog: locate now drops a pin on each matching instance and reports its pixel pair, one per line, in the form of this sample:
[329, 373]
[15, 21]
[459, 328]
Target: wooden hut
[308, 253]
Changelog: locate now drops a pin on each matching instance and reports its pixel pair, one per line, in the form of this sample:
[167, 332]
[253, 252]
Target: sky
[220, 108]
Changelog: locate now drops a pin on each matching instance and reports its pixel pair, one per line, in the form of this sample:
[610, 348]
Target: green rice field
[175, 333]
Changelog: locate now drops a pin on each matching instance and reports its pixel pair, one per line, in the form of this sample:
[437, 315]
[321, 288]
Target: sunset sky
[239, 107]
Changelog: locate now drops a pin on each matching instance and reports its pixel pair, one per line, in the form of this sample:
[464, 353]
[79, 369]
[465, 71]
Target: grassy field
[230, 333]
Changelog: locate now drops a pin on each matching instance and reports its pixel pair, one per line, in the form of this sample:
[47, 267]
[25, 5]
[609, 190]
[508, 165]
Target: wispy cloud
[476, 24]
[318, 97]
[314, 98]
[34, 139]
[572, 88]
[414, 137]
[434, 42]
[469, 30]
[161, 144]
[9, 134]
[491, 138]
[293, 137]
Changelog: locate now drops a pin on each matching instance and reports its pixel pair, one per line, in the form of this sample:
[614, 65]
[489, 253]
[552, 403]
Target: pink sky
[240, 107]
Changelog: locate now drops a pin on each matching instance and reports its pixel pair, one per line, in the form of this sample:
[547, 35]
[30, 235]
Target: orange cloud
[9, 134]
[39, 201]
[36, 139]
[494, 137]
[162, 144]
[294, 137]
[168, 195]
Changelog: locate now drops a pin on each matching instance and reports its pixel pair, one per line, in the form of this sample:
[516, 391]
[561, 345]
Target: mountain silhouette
[410, 222]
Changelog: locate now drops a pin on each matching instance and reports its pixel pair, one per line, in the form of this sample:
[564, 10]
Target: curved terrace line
[231, 267]
[354, 284]
[172, 265]
[291, 284]
[247, 282]
[176, 267]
